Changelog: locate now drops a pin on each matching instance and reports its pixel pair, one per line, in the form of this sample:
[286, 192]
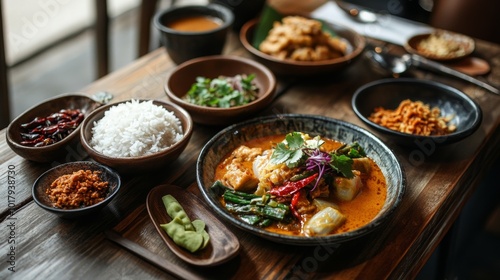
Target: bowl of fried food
[76, 189]
[221, 89]
[414, 112]
[299, 46]
[441, 45]
[50, 130]
[301, 179]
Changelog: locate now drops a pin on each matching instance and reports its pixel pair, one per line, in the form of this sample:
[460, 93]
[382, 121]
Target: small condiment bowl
[138, 164]
[182, 45]
[465, 45]
[45, 180]
[389, 93]
[180, 80]
[59, 149]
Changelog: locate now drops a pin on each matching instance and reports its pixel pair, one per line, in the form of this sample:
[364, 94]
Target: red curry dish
[300, 185]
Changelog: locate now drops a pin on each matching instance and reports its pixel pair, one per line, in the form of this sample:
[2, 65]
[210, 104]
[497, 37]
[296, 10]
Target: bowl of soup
[301, 179]
[193, 31]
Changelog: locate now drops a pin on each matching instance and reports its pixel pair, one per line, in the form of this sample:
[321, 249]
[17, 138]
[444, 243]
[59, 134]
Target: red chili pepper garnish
[293, 187]
[293, 205]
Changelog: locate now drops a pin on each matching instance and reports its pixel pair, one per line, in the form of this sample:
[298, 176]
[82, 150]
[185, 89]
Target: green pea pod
[189, 235]
[190, 240]
[175, 210]
[199, 225]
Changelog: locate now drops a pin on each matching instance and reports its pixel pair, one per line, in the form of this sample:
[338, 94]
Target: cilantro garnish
[295, 151]
[289, 152]
[342, 164]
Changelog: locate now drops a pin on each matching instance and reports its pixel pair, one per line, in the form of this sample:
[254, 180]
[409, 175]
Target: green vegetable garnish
[295, 151]
[189, 235]
[290, 152]
[223, 92]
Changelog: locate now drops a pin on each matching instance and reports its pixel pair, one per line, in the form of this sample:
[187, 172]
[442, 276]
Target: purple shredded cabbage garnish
[318, 161]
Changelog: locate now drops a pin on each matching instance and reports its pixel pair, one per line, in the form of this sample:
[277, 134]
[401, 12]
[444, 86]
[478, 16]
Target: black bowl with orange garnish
[415, 112]
[76, 189]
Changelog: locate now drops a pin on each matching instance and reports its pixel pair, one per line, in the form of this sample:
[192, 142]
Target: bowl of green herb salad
[221, 89]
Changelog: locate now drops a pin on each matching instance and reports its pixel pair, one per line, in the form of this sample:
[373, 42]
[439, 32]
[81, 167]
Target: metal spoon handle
[420, 61]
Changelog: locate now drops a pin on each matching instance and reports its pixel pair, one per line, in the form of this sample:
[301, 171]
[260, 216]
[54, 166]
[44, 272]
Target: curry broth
[360, 211]
[195, 23]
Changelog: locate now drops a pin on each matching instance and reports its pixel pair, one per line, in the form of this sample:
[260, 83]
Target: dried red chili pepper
[293, 205]
[43, 131]
[293, 187]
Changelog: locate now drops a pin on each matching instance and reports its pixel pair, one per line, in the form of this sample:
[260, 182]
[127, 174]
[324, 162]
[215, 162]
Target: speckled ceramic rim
[79, 165]
[374, 147]
[446, 139]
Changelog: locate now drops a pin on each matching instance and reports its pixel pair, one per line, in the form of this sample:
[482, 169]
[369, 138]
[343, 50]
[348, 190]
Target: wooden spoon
[223, 243]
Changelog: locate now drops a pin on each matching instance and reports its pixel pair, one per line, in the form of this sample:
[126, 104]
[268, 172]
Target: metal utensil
[360, 15]
[399, 64]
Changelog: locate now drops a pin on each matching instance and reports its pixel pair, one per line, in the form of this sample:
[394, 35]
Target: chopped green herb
[223, 92]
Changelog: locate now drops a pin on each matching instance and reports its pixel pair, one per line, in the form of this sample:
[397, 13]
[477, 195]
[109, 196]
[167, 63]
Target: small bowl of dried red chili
[76, 189]
[47, 131]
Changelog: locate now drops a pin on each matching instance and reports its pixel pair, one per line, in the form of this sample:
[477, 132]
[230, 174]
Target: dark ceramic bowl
[139, 164]
[184, 76]
[388, 93]
[231, 137]
[59, 149]
[184, 45]
[355, 41]
[45, 180]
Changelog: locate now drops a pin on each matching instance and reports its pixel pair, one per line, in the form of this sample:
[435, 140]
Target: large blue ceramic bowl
[231, 137]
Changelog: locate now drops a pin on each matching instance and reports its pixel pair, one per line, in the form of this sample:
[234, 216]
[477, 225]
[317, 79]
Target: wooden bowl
[60, 149]
[355, 41]
[465, 45]
[138, 164]
[182, 78]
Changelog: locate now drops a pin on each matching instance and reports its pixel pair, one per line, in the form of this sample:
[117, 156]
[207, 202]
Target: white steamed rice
[134, 129]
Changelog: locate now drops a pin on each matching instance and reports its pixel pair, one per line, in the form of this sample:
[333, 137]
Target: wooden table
[39, 245]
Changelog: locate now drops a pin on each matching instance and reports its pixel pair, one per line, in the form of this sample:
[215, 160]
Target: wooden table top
[37, 244]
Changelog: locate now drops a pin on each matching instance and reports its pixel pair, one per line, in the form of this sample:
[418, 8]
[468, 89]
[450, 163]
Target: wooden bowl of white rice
[135, 136]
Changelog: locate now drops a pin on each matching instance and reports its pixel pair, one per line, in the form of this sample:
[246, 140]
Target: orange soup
[195, 23]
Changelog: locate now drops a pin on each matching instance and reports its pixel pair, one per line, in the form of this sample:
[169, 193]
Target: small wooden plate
[465, 45]
[223, 244]
[472, 66]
